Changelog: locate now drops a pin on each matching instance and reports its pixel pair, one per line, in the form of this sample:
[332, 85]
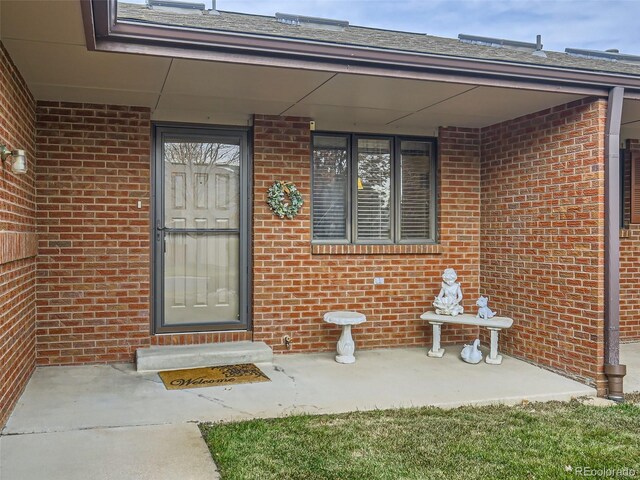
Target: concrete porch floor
[105, 422]
[630, 356]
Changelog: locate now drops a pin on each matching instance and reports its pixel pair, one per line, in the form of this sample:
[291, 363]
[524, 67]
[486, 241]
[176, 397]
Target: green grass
[495, 442]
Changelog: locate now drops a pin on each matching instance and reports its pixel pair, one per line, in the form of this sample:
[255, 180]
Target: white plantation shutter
[374, 189]
[415, 184]
[330, 187]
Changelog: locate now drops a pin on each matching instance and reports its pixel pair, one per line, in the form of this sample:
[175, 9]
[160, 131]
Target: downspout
[612, 368]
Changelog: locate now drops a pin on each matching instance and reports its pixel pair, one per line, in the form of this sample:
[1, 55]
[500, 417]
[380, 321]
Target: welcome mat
[212, 376]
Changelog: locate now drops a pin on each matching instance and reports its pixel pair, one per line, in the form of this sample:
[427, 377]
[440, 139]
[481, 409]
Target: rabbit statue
[471, 353]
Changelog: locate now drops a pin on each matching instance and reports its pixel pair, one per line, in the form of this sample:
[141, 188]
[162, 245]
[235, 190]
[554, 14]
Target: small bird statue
[471, 353]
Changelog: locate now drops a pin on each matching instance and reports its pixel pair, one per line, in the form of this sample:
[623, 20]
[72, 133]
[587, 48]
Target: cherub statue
[484, 311]
[448, 300]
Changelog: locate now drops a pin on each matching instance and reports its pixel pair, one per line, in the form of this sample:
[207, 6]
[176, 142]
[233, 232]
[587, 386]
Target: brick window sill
[324, 249]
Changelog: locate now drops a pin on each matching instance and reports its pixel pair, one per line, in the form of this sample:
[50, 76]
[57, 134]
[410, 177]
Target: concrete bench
[494, 325]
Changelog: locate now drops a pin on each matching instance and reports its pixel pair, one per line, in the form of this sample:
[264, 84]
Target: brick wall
[94, 250]
[542, 235]
[93, 268]
[294, 287]
[630, 260]
[17, 239]
[541, 179]
[93, 256]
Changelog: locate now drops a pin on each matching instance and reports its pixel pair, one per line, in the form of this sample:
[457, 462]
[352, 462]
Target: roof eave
[105, 32]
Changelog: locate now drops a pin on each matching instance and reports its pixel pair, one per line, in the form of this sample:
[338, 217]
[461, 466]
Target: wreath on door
[284, 199]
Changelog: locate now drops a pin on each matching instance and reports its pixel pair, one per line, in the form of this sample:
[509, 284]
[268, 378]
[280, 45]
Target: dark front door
[201, 228]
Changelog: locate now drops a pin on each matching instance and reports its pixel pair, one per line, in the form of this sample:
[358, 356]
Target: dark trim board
[158, 231]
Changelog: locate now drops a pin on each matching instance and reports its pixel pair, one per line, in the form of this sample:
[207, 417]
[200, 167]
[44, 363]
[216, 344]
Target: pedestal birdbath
[346, 347]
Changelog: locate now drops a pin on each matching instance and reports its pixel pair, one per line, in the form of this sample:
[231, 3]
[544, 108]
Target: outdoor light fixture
[19, 164]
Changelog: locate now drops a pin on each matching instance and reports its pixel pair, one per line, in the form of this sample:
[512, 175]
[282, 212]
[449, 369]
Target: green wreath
[284, 199]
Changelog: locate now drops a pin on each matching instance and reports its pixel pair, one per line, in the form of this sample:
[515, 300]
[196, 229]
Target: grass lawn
[542, 440]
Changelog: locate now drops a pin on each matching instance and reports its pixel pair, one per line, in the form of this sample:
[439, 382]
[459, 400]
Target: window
[373, 197]
[635, 188]
[330, 187]
[373, 189]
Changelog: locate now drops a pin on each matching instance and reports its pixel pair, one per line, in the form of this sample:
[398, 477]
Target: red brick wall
[93, 257]
[94, 249]
[542, 235]
[630, 260]
[17, 239]
[294, 287]
[541, 178]
[93, 270]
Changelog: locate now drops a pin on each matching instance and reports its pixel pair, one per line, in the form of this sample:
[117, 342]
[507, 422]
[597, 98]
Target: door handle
[161, 235]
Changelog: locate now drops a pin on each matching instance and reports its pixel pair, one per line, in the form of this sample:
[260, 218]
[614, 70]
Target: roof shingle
[367, 37]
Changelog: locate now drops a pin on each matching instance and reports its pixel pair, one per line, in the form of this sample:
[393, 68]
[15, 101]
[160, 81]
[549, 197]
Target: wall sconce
[19, 164]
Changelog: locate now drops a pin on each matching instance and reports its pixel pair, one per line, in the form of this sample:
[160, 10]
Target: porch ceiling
[46, 41]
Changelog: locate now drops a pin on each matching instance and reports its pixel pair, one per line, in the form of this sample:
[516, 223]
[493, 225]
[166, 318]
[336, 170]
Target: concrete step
[174, 357]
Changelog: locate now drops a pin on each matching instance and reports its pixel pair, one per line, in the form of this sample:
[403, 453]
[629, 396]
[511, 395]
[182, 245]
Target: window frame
[634, 187]
[395, 213]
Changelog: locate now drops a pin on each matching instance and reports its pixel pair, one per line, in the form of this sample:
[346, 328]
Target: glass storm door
[201, 230]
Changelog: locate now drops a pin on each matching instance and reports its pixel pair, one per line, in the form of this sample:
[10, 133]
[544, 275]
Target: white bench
[494, 325]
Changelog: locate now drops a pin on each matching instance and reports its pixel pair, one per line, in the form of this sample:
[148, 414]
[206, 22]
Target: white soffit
[344, 114]
[62, 93]
[214, 107]
[382, 92]
[57, 21]
[484, 106]
[201, 117]
[210, 79]
[74, 66]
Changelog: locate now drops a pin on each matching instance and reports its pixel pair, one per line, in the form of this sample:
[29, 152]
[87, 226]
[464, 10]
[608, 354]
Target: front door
[201, 202]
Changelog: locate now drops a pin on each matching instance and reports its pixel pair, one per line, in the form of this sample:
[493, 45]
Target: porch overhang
[48, 40]
[194, 76]
[105, 31]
